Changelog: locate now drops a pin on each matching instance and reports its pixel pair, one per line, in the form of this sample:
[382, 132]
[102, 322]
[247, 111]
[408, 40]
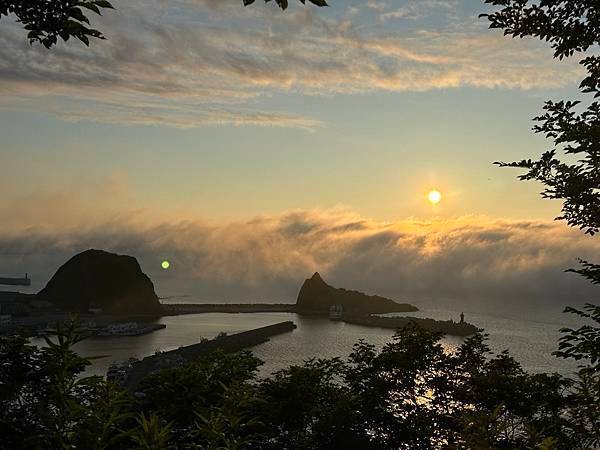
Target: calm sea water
[530, 339]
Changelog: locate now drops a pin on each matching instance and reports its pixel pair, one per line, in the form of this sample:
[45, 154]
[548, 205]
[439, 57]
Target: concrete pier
[16, 281]
[435, 326]
[185, 355]
[175, 309]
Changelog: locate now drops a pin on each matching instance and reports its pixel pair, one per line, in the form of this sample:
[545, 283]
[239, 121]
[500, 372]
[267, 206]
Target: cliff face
[317, 296]
[99, 279]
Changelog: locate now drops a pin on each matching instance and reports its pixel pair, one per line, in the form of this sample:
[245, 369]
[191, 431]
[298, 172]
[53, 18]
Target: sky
[252, 147]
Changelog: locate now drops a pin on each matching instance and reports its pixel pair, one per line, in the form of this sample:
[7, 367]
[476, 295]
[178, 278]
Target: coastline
[31, 325]
[448, 327]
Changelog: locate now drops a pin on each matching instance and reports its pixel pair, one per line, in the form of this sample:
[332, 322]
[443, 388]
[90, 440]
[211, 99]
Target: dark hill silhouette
[316, 296]
[99, 279]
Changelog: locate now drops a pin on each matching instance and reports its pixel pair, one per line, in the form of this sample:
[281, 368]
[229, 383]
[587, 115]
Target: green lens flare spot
[165, 264]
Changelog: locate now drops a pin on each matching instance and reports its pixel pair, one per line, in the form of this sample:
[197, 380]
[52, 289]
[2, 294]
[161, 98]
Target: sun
[434, 197]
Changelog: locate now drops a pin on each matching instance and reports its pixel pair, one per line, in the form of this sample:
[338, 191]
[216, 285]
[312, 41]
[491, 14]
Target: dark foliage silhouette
[48, 20]
[411, 394]
[571, 27]
[570, 171]
[283, 4]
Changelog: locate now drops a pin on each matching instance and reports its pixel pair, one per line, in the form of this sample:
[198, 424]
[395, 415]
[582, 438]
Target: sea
[529, 336]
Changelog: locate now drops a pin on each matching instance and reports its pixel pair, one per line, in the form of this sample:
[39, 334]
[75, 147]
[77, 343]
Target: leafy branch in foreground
[584, 342]
[283, 4]
[570, 27]
[46, 20]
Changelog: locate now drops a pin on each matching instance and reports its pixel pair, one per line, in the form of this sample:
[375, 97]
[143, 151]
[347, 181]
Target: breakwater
[437, 326]
[16, 281]
[174, 309]
[185, 355]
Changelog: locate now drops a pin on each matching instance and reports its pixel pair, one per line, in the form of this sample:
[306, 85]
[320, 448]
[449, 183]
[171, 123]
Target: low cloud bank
[473, 259]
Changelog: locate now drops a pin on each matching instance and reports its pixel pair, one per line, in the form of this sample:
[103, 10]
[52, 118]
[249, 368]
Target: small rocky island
[317, 297]
[103, 281]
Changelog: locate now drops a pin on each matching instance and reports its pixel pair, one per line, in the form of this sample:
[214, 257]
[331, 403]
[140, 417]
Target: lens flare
[165, 264]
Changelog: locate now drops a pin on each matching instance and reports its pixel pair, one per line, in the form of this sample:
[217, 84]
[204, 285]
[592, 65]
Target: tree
[283, 4]
[569, 171]
[46, 403]
[571, 27]
[48, 20]
[301, 405]
[207, 401]
[410, 394]
[583, 345]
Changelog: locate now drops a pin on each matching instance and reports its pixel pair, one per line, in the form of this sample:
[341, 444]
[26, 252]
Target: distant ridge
[316, 296]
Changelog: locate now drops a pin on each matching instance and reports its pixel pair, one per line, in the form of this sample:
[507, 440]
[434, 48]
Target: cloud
[482, 261]
[416, 9]
[180, 115]
[195, 63]
[377, 5]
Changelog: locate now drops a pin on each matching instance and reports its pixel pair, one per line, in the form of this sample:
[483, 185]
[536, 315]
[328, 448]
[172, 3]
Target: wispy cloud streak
[196, 63]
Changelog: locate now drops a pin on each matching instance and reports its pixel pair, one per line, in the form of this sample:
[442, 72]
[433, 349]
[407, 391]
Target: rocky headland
[317, 297]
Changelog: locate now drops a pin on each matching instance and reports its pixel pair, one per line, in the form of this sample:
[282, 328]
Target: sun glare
[434, 197]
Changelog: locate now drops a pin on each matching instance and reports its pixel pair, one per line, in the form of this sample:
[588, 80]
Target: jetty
[436, 326]
[6, 281]
[175, 309]
[184, 355]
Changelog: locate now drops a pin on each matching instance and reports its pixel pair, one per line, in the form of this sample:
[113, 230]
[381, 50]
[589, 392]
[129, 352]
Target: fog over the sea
[478, 260]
